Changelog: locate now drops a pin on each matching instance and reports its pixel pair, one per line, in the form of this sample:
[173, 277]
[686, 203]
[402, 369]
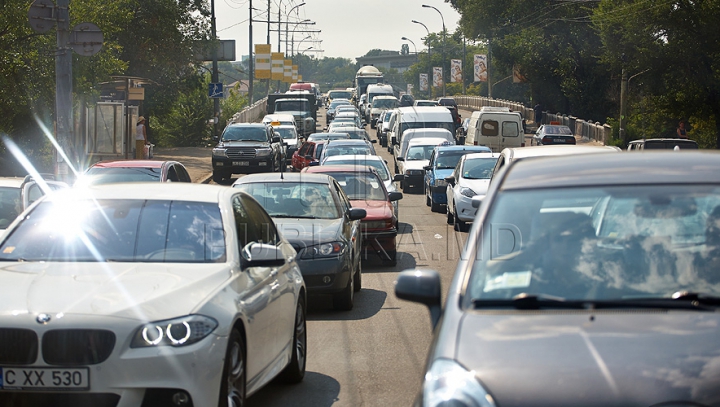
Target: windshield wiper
[680, 300]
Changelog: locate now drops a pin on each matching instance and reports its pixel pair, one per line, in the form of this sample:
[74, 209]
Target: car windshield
[385, 103]
[294, 199]
[340, 94]
[347, 150]
[110, 175]
[360, 186]
[242, 133]
[291, 105]
[358, 134]
[478, 168]
[10, 205]
[122, 230]
[600, 243]
[427, 125]
[415, 153]
[425, 103]
[377, 164]
[448, 159]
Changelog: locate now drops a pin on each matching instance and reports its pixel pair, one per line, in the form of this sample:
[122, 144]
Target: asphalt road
[375, 354]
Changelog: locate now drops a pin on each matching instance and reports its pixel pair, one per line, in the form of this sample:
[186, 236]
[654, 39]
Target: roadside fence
[252, 113]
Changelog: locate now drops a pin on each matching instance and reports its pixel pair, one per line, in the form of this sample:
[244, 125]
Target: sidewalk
[197, 160]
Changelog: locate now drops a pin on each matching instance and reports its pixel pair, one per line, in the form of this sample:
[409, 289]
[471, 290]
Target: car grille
[18, 346]
[71, 347]
[240, 152]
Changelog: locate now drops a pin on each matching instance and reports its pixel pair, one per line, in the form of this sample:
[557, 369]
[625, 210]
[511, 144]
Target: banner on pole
[294, 73]
[437, 76]
[287, 71]
[423, 82]
[456, 72]
[480, 68]
[410, 88]
[517, 76]
[277, 63]
[262, 61]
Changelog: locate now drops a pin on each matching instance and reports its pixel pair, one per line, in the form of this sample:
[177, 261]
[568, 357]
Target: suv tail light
[546, 140]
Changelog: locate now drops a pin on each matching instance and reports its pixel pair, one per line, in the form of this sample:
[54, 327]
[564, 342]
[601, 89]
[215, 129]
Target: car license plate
[241, 163]
[39, 378]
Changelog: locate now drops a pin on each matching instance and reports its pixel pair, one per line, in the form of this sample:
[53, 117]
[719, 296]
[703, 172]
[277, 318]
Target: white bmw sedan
[147, 295]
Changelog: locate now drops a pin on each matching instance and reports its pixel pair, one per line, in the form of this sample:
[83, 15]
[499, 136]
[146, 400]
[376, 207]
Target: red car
[107, 172]
[366, 190]
[308, 152]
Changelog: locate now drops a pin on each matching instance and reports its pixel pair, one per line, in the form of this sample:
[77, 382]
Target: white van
[380, 103]
[415, 157]
[412, 117]
[373, 90]
[410, 136]
[495, 127]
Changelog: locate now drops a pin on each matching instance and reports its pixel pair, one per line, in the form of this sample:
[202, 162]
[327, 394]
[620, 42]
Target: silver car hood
[151, 291]
[616, 357]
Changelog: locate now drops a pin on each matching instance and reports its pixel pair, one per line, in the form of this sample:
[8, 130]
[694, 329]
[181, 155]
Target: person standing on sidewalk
[140, 138]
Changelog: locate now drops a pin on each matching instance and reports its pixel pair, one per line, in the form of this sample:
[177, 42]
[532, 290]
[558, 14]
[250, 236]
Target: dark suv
[246, 148]
[452, 106]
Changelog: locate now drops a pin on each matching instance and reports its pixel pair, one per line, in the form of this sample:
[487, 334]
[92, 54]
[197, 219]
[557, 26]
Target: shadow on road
[316, 390]
[368, 302]
[404, 228]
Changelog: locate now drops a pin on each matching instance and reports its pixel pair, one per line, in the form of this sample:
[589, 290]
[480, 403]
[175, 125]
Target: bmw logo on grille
[43, 319]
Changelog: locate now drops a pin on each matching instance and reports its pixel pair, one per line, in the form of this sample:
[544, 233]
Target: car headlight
[440, 183]
[332, 249]
[219, 152]
[465, 191]
[263, 152]
[174, 332]
[449, 384]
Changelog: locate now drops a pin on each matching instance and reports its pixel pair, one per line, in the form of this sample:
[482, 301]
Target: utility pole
[488, 71]
[63, 90]
[215, 79]
[251, 61]
[623, 95]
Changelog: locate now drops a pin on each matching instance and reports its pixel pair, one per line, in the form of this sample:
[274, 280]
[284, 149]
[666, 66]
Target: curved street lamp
[443, 46]
[411, 41]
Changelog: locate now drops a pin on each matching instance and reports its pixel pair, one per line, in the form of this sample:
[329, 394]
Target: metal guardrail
[586, 129]
[252, 113]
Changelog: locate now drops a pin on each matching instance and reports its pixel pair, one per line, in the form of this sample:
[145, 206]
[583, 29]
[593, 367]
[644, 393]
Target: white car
[374, 161]
[471, 178]
[17, 193]
[279, 119]
[152, 294]
[412, 163]
[290, 140]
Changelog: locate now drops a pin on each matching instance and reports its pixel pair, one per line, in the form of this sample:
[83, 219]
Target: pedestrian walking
[140, 138]
[538, 114]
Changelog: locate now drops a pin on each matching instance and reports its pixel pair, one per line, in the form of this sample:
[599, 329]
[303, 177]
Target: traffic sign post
[215, 90]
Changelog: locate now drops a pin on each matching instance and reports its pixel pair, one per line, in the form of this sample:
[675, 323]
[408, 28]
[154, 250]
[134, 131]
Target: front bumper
[325, 275]
[413, 180]
[439, 194]
[243, 166]
[380, 240]
[465, 210]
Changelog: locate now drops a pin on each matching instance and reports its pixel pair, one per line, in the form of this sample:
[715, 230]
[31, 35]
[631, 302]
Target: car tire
[358, 278]
[460, 225]
[344, 300]
[428, 200]
[435, 207]
[295, 371]
[220, 176]
[233, 385]
[450, 217]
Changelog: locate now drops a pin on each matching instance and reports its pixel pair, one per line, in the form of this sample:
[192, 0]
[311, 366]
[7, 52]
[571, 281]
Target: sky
[349, 28]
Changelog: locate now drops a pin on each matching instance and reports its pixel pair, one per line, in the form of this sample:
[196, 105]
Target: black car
[406, 100]
[245, 148]
[315, 216]
[451, 104]
[586, 280]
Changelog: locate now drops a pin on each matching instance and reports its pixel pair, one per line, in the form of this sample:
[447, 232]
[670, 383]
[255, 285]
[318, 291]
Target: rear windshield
[109, 175]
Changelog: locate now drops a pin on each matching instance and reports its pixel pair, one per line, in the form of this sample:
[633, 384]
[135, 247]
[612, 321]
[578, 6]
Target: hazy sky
[350, 28]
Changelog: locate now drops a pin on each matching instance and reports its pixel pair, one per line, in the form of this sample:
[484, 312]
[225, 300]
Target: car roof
[179, 191]
[275, 116]
[130, 164]
[486, 154]
[349, 142]
[647, 168]
[263, 125]
[672, 140]
[515, 153]
[14, 182]
[426, 141]
[339, 168]
[284, 177]
[426, 131]
[463, 148]
[355, 157]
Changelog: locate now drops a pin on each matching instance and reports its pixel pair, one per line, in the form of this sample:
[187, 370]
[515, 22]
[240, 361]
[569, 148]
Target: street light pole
[443, 46]
[251, 61]
[411, 41]
[216, 101]
[429, 55]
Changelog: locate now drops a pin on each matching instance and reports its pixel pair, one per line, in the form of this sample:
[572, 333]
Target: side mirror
[216, 138]
[427, 167]
[450, 180]
[395, 196]
[262, 255]
[356, 213]
[401, 158]
[313, 163]
[276, 139]
[421, 286]
[399, 177]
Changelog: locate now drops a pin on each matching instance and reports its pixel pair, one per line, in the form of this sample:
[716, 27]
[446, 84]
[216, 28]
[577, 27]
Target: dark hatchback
[586, 281]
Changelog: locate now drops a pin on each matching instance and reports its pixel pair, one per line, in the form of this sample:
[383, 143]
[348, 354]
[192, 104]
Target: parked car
[245, 148]
[590, 283]
[313, 213]
[17, 193]
[469, 180]
[152, 294]
[549, 134]
[442, 163]
[308, 154]
[366, 190]
[347, 147]
[114, 171]
[662, 144]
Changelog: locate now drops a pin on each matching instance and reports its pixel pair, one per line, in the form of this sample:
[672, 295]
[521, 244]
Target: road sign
[86, 39]
[41, 15]
[215, 90]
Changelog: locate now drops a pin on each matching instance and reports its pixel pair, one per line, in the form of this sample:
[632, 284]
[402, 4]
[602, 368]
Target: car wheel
[232, 390]
[295, 371]
[220, 176]
[428, 200]
[450, 217]
[435, 207]
[358, 278]
[460, 225]
[343, 301]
